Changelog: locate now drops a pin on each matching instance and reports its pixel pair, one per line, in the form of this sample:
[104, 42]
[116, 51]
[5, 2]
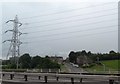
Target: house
[83, 60]
[56, 59]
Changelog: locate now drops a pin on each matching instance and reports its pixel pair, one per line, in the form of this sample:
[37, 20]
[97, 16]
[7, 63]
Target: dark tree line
[28, 62]
[112, 55]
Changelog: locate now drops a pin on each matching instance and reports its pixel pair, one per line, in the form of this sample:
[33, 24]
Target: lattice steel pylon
[15, 41]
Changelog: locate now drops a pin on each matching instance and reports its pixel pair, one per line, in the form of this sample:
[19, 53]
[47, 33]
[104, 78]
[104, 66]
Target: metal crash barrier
[71, 77]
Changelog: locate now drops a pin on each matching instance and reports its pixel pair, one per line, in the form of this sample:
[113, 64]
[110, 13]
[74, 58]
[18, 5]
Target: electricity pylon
[15, 41]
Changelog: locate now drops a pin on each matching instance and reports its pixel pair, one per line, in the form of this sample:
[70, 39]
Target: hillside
[109, 66]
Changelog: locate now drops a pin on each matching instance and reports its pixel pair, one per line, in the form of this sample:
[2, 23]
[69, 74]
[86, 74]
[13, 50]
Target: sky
[56, 28]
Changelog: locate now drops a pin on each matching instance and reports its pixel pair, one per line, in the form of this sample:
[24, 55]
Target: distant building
[56, 59]
[67, 60]
[83, 60]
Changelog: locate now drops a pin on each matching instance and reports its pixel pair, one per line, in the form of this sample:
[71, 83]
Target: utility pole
[15, 41]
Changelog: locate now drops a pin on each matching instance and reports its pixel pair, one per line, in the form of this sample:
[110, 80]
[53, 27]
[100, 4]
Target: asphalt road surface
[73, 69]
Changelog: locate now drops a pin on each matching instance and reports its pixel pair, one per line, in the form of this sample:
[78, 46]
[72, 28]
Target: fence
[33, 70]
[71, 77]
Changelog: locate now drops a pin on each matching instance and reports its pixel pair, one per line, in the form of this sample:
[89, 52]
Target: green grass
[111, 66]
[63, 68]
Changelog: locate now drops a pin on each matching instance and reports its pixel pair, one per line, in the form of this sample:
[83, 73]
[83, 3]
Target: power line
[66, 11]
[74, 16]
[98, 28]
[69, 17]
[62, 28]
[80, 19]
[70, 26]
[74, 36]
[72, 21]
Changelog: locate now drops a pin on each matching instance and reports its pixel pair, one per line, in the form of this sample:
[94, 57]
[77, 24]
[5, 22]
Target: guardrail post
[49, 70]
[57, 78]
[11, 76]
[59, 70]
[25, 76]
[81, 80]
[3, 74]
[39, 77]
[45, 79]
[41, 70]
[111, 81]
[72, 80]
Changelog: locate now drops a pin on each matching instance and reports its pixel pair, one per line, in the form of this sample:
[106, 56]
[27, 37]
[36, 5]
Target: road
[73, 69]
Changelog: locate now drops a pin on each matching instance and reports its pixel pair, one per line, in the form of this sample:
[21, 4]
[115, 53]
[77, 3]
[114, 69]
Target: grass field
[110, 66]
[64, 68]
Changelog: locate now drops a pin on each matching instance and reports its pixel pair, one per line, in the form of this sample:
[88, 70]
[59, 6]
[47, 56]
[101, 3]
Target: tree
[112, 52]
[35, 61]
[84, 52]
[25, 61]
[89, 53]
[46, 63]
[72, 57]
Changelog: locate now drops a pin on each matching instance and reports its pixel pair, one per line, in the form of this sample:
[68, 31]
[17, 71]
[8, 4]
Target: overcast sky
[56, 28]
